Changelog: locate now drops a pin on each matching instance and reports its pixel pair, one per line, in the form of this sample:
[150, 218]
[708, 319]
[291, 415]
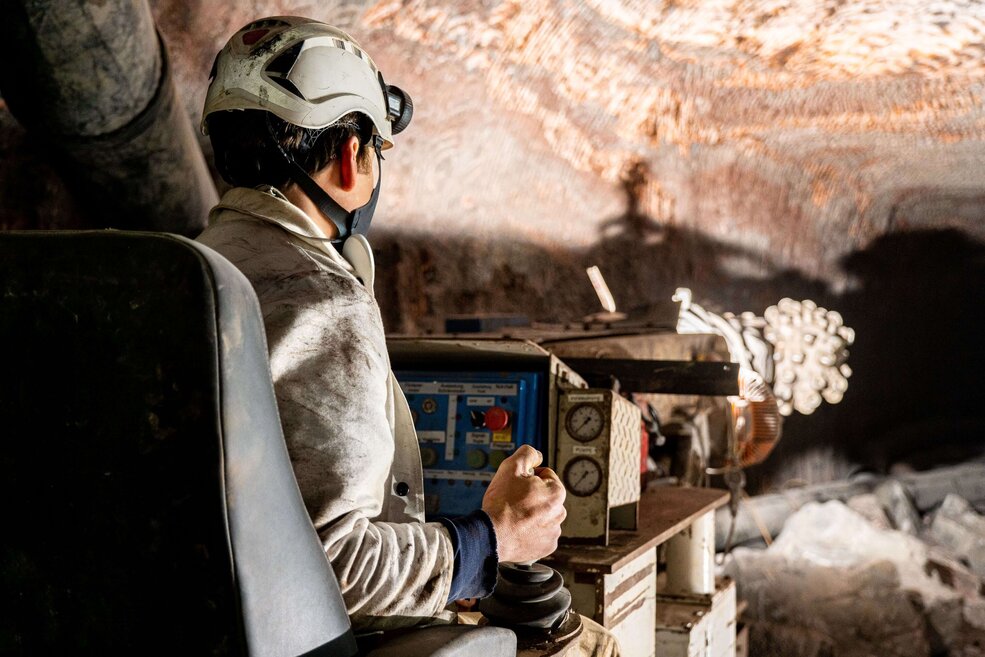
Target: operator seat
[147, 500]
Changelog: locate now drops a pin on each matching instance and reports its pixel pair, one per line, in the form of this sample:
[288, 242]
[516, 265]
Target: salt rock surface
[835, 584]
[869, 507]
[831, 534]
[959, 527]
[798, 607]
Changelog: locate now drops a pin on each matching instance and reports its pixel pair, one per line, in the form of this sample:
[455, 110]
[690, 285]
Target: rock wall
[749, 150]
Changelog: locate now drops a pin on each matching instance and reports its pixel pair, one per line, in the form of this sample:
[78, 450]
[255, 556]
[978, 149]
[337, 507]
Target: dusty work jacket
[347, 425]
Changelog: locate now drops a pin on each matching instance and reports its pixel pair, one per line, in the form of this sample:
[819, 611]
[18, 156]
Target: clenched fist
[526, 506]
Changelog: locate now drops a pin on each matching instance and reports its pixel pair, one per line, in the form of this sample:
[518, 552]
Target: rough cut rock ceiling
[838, 112]
[796, 130]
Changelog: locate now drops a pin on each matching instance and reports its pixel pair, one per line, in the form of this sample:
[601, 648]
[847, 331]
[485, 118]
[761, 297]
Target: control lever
[529, 595]
[531, 600]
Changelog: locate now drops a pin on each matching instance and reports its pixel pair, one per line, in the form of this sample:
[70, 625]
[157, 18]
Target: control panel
[598, 459]
[467, 423]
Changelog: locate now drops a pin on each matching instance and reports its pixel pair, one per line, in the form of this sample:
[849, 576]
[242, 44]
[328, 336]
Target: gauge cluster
[598, 459]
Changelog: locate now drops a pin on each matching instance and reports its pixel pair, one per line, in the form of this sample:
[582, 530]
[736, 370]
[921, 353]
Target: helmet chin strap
[346, 223]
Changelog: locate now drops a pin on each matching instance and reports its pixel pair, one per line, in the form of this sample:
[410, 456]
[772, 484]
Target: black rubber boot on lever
[531, 600]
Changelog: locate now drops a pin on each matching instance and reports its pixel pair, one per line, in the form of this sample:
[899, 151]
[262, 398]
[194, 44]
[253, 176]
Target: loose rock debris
[839, 582]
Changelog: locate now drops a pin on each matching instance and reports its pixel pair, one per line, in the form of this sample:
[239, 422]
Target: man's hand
[526, 506]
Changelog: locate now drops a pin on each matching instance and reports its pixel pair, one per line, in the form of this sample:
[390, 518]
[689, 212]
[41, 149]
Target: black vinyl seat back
[147, 501]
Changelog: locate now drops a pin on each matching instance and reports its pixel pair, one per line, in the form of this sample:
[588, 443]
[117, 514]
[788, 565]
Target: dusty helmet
[305, 72]
[308, 74]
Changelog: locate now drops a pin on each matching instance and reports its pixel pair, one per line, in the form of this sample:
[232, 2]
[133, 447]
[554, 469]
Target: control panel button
[476, 458]
[428, 456]
[497, 418]
[477, 418]
[496, 458]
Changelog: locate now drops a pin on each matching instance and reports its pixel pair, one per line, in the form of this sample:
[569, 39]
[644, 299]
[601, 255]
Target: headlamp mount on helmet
[400, 108]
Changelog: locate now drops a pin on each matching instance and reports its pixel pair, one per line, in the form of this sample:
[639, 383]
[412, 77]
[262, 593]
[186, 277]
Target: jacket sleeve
[330, 370]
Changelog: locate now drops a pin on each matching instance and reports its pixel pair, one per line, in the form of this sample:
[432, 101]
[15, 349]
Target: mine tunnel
[666, 339]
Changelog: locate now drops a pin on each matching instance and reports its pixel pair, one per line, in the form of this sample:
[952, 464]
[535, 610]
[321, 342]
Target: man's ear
[349, 164]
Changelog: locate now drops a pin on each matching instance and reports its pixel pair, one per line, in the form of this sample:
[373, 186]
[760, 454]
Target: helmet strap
[362, 216]
[346, 223]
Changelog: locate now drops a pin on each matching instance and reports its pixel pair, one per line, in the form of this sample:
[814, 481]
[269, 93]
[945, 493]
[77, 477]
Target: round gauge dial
[585, 422]
[582, 476]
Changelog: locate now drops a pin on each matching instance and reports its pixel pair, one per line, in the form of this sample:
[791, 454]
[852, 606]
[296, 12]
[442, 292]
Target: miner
[299, 117]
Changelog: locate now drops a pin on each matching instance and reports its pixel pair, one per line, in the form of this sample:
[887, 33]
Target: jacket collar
[268, 204]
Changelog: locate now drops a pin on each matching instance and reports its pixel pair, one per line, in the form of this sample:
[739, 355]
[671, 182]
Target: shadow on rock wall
[916, 395]
[427, 276]
[916, 300]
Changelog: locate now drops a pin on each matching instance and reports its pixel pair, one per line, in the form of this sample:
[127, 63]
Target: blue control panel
[467, 423]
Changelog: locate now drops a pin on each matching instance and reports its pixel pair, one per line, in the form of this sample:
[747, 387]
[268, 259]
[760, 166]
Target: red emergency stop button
[497, 418]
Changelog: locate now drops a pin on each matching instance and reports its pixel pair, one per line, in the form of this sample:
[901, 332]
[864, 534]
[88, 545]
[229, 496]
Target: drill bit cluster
[810, 347]
[797, 347]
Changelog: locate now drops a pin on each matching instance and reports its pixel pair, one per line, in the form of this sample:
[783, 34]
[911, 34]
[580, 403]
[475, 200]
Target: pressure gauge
[585, 422]
[582, 476]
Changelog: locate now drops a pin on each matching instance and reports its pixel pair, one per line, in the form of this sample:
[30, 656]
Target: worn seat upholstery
[148, 502]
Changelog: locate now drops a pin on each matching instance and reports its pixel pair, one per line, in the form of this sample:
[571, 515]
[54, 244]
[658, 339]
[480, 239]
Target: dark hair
[245, 156]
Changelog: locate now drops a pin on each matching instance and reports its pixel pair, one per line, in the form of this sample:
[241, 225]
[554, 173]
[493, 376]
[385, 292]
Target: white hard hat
[305, 72]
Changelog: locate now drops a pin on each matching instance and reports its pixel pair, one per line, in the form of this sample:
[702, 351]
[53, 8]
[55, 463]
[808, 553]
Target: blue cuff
[474, 543]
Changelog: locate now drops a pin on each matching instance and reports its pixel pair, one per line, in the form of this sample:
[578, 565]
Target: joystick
[531, 600]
